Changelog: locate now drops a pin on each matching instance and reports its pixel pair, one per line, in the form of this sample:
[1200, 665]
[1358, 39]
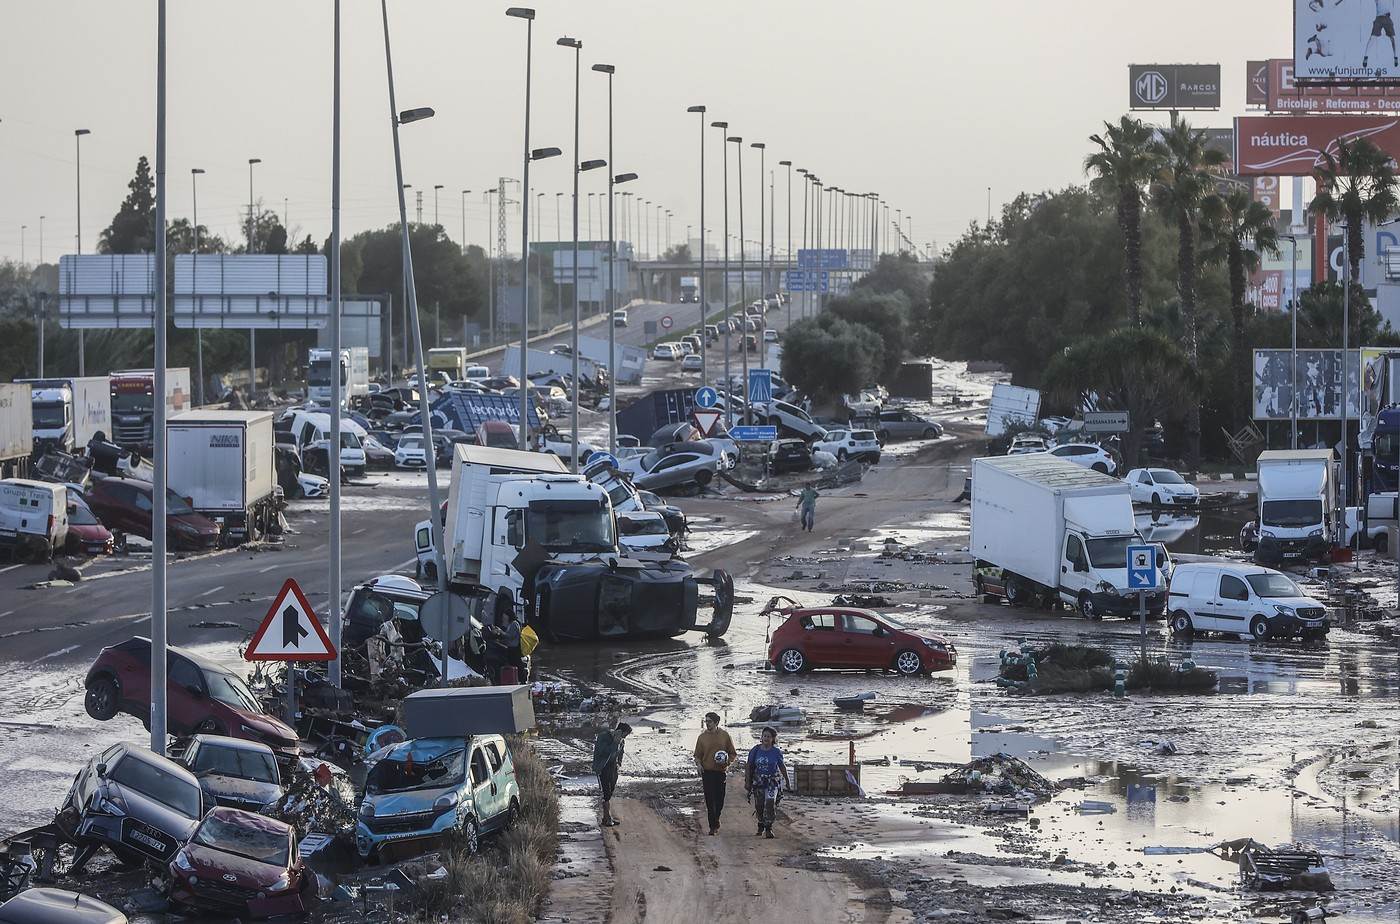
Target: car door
[867, 643]
[502, 773]
[188, 702]
[1232, 610]
[144, 515]
[1142, 486]
[820, 640]
[485, 792]
[1074, 569]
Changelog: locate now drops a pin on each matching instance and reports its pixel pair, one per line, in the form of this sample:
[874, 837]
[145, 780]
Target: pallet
[824, 779]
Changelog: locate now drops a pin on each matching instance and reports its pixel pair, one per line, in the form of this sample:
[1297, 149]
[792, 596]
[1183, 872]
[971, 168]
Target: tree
[1139, 371]
[887, 316]
[898, 273]
[1355, 184]
[1185, 177]
[1237, 230]
[1121, 169]
[133, 227]
[268, 234]
[307, 246]
[827, 357]
[680, 253]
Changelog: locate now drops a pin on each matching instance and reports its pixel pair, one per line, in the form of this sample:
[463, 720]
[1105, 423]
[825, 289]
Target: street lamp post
[464, 221]
[159, 471]
[738, 142]
[78, 173]
[199, 331]
[788, 164]
[252, 331]
[436, 187]
[724, 281]
[762, 267]
[527, 14]
[609, 70]
[704, 295]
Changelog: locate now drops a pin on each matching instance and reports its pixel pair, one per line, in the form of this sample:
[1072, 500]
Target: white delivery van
[1298, 504]
[1241, 599]
[33, 517]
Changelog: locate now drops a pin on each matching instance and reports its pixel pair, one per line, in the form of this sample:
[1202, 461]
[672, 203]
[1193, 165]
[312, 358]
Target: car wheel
[1100, 468]
[1015, 593]
[792, 661]
[1181, 623]
[469, 837]
[840, 455]
[703, 477]
[1381, 544]
[512, 813]
[1259, 628]
[1156, 500]
[102, 699]
[930, 433]
[1086, 606]
[908, 663]
[430, 572]
[209, 727]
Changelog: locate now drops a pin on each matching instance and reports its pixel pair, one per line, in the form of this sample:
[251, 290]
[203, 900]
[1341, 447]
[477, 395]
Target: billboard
[1264, 290]
[1256, 83]
[1344, 41]
[1174, 86]
[1292, 145]
[1320, 386]
[1285, 94]
[106, 290]
[1265, 191]
[246, 291]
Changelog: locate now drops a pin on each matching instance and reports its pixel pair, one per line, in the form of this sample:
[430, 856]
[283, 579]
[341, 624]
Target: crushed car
[239, 863]
[58, 906]
[233, 772]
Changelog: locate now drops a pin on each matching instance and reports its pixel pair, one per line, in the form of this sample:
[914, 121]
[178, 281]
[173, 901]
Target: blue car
[431, 788]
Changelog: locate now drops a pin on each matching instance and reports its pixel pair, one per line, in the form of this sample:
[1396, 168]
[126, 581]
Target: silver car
[677, 464]
[900, 424]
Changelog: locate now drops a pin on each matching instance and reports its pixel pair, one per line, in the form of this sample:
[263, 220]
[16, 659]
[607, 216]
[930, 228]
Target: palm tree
[1185, 177]
[1355, 184]
[1122, 167]
[1237, 231]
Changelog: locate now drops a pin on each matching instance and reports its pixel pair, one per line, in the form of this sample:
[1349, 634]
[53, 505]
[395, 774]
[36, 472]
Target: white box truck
[33, 518]
[16, 429]
[690, 289]
[1011, 404]
[544, 363]
[451, 360]
[68, 412]
[223, 462]
[631, 360]
[354, 375]
[1045, 530]
[1298, 505]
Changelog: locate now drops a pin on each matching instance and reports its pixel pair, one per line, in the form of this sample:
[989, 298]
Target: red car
[240, 863]
[855, 639]
[202, 698]
[125, 504]
[497, 433]
[85, 533]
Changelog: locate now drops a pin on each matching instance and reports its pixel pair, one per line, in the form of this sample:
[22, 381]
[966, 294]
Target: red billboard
[1265, 290]
[1292, 145]
[1284, 95]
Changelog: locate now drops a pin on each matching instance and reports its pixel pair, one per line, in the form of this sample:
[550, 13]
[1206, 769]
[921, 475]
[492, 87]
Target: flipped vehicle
[58, 906]
[644, 535]
[789, 456]
[865, 404]
[234, 772]
[387, 606]
[1161, 487]
[137, 804]
[240, 863]
[853, 639]
[435, 788]
[377, 455]
[673, 515]
[1024, 445]
[850, 444]
[791, 418]
[202, 697]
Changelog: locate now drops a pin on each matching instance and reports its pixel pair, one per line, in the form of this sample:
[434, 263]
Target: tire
[512, 814]
[1259, 628]
[430, 572]
[908, 663]
[1181, 623]
[930, 434]
[1100, 468]
[253, 528]
[102, 699]
[1086, 606]
[1156, 499]
[703, 477]
[469, 837]
[1381, 544]
[840, 455]
[775, 422]
[791, 661]
[1016, 595]
[883, 436]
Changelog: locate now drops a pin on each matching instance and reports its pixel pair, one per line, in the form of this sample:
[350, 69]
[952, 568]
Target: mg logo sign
[1151, 87]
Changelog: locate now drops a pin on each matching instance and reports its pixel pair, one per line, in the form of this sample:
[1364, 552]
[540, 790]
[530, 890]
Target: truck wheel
[101, 699]
[254, 525]
[979, 589]
[430, 572]
[1015, 593]
[908, 663]
[1381, 544]
[1086, 606]
[792, 661]
[1259, 628]
[1181, 623]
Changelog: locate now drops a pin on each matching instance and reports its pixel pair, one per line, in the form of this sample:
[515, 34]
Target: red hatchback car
[240, 863]
[202, 697]
[855, 639]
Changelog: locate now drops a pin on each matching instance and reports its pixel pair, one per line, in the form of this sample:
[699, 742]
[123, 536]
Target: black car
[789, 456]
[234, 772]
[444, 443]
[673, 515]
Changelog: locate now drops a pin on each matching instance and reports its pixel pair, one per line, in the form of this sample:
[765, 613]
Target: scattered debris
[863, 601]
[854, 701]
[776, 713]
[1095, 807]
[1001, 774]
[1270, 869]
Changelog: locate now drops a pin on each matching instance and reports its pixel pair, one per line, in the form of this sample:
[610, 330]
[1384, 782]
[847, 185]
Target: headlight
[1107, 588]
[283, 881]
[445, 802]
[1266, 534]
[1315, 534]
[1284, 610]
[182, 862]
[366, 809]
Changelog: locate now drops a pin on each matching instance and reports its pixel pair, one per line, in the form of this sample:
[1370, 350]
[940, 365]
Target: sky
[927, 102]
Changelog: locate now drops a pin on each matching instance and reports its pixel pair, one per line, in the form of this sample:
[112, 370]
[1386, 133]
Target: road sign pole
[291, 694]
[1142, 624]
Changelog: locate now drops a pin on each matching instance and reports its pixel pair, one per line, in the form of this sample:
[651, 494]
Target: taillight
[50, 529]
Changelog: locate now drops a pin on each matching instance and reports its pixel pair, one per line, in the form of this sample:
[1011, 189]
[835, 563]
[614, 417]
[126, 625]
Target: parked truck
[690, 289]
[223, 463]
[70, 411]
[354, 374]
[630, 361]
[16, 429]
[133, 404]
[451, 360]
[1299, 505]
[522, 535]
[1045, 530]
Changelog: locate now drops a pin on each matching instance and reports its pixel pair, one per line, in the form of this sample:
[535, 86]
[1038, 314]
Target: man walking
[714, 755]
[607, 761]
[807, 503]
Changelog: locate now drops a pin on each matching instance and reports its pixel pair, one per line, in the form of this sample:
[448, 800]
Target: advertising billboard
[1256, 83]
[1285, 94]
[1265, 290]
[1174, 86]
[1292, 145]
[1320, 386]
[1344, 41]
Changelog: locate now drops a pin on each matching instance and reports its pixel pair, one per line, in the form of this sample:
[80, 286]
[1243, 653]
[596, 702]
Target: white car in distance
[1022, 445]
[1162, 487]
[850, 444]
[1087, 455]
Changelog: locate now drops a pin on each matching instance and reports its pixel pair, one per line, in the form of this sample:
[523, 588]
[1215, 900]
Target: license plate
[1312, 623]
[148, 840]
[1291, 554]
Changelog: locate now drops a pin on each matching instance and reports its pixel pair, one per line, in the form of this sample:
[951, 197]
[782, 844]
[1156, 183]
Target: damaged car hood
[230, 869]
[237, 792]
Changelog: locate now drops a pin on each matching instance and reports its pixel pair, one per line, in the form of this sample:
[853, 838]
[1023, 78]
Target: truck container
[133, 404]
[631, 360]
[16, 429]
[690, 288]
[452, 360]
[1299, 506]
[543, 363]
[1011, 404]
[354, 375]
[68, 412]
[223, 462]
[1045, 531]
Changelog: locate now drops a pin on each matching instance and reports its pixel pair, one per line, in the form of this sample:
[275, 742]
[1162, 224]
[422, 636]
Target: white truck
[543, 363]
[354, 375]
[1045, 531]
[16, 429]
[70, 411]
[33, 518]
[523, 535]
[1299, 505]
[222, 462]
[690, 289]
[631, 360]
[1011, 404]
[133, 404]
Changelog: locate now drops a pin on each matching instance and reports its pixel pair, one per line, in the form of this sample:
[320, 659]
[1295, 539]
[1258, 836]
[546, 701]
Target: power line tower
[418, 193]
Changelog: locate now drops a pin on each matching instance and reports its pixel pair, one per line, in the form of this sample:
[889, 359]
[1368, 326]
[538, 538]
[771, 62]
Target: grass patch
[508, 880]
[1082, 669]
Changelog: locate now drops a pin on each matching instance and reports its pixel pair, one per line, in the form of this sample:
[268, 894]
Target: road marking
[6, 613]
[268, 568]
[11, 567]
[404, 564]
[59, 653]
[212, 590]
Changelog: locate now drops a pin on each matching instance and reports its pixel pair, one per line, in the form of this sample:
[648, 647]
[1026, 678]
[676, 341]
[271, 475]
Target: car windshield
[411, 442]
[319, 373]
[401, 773]
[157, 783]
[49, 415]
[570, 526]
[80, 515]
[1272, 584]
[231, 691]
[245, 840]
[620, 492]
[642, 527]
[349, 440]
[131, 402]
[1109, 553]
[1166, 476]
[243, 763]
[175, 504]
[1291, 513]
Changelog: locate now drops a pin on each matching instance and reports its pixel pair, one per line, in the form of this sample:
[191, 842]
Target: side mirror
[879, 632]
[194, 691]
[101, 771]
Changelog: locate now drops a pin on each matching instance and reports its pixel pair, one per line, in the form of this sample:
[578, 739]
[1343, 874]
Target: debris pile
[1271, 869]
[999, 774]
[320, 800]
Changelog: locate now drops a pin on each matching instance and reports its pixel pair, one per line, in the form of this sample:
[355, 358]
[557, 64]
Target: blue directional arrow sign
[1142, 567]
[706, 397]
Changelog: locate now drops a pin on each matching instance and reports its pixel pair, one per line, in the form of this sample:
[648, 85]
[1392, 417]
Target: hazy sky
[928, 102]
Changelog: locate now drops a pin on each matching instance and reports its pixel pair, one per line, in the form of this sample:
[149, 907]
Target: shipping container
[16, 429]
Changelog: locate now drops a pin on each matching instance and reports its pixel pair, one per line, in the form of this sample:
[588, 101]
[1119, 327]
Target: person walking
[807, 503]
[765, 779]
[607, 761]
[714, 755]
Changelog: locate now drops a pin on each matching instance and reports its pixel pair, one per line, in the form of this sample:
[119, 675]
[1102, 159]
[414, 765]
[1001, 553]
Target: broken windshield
[1291, 513]
[401, 773]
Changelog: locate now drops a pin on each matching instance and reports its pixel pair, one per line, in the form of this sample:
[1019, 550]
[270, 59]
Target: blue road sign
[754, 434]
[823, 259]
[599, 455]
[1142, 567]
[806, 281]
[706, 397]
[760, 386]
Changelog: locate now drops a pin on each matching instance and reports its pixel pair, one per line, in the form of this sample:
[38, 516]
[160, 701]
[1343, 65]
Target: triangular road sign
[706, 420]
[290, 631]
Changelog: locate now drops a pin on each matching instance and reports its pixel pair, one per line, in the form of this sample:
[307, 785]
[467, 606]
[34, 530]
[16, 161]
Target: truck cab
[1298, 505]
[53, 416]
[354, 374]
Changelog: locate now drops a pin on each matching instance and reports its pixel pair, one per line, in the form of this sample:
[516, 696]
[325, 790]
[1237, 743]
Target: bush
[1161, 677]
[827, 357]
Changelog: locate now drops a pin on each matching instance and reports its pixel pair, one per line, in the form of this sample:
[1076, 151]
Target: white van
[477, 374]
[669, 351]
[1223, 596]
[33, 517]
[310, 428]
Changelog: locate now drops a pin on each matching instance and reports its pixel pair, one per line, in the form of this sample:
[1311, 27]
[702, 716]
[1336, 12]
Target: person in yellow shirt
[714, 755]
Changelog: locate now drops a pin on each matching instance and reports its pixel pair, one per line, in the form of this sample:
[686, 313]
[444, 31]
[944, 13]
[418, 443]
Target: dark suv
[789, 456]
[126, 504]
[201, 697]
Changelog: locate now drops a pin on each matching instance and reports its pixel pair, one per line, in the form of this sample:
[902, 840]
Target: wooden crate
[824, 779]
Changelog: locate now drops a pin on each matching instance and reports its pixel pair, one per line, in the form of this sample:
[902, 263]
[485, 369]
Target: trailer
[16, 429]
[133, 404]
[68, 412]
[544, 363]
[1011, 404]
[223, 462]
[631, 360]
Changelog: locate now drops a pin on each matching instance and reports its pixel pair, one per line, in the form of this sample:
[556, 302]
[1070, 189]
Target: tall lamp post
[806, 182]
[199, 331]
[609, 70]
[1293, 352]
[252, 331]
[704, 296]
[78, 174]
[336, 395]
[159, 472]
[436, 187]
[788, 164]
[762, 268]
[527, 14]
[724, 280]
[738, 143]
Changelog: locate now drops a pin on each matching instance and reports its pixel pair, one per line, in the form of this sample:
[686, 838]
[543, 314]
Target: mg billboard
[1174, 86]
